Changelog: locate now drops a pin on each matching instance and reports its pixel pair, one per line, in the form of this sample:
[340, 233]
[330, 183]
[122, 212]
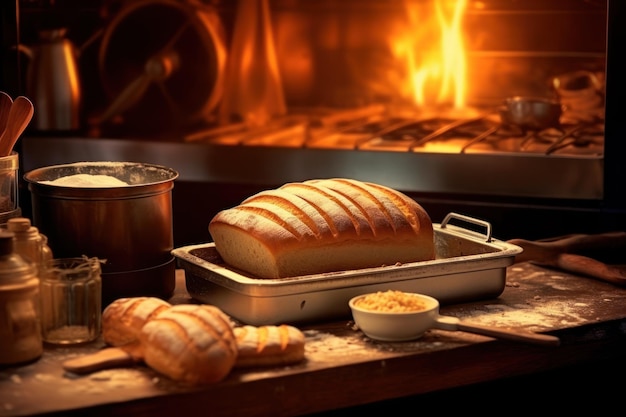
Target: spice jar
[20, 327]
[28, 242]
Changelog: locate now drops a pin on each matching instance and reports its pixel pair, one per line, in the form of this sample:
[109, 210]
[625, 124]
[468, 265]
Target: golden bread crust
[269, 345]
[123, 319]
[320, 226]
[190, 343]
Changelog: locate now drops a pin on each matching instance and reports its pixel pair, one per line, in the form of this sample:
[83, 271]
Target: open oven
[417, 95]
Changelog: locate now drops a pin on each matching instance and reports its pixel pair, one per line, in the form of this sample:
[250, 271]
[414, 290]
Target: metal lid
[20, 224]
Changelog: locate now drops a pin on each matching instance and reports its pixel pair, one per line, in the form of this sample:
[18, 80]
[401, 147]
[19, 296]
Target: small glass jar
[71, 300]
[20, 331]
[9, 169]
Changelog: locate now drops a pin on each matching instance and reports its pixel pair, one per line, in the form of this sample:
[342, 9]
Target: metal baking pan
[470, 265]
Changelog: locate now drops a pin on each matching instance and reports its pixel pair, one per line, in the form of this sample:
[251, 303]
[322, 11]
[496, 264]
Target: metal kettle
[53, 82]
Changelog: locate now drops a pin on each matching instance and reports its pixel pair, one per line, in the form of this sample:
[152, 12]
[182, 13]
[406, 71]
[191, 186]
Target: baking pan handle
[477, 222]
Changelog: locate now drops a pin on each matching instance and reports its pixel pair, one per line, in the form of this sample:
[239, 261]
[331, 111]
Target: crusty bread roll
[269, 345]
[190, 343]
[123, 319]
[322, 226]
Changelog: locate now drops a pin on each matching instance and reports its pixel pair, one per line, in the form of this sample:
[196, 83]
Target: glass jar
[9, 170]
[71, 300]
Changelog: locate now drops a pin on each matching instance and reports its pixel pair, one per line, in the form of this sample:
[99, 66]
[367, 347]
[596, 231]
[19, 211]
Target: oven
[419, 95]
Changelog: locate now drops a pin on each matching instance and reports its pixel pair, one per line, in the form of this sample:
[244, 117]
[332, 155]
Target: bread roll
[269, 345]
[190, 343]
[123, 319]
[322, 226]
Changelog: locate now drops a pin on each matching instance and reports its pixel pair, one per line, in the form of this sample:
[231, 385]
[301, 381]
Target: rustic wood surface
[588, 315]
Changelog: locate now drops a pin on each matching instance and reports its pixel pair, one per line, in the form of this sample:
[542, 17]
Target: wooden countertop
[343, 368]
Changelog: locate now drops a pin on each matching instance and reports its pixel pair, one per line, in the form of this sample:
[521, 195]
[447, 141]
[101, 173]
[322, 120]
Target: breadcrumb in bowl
[394, 315]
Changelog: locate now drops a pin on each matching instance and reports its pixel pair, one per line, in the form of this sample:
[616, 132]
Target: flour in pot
[87, 180]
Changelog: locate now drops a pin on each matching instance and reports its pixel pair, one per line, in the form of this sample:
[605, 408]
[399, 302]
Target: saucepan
[531, 113]
[396, 316]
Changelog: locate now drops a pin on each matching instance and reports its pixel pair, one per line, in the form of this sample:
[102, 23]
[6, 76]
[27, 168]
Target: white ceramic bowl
[395, 326]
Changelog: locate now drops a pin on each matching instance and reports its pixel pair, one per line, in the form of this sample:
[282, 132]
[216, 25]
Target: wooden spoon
[5, 107]
[107, 358]
[20, 116]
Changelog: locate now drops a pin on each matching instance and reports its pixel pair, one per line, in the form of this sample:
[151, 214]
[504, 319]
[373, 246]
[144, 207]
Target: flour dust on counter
[545, 305]
[39, 387]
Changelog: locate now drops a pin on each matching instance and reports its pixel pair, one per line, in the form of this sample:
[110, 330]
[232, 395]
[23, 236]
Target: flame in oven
[432, 49]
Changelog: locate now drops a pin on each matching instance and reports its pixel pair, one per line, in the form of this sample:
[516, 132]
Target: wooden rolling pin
[579, 254]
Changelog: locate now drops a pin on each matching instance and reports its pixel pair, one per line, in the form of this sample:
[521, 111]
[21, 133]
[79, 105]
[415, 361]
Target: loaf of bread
[123, 319]
[320, 226]
[190, 343]
[269, 345]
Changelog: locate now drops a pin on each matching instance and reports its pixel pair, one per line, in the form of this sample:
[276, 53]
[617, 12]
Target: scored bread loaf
[123, 319]
[190, 343]
[319, 226]
[268, 345]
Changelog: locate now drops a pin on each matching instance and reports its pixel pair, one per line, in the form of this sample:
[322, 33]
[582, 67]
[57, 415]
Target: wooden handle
[513, 335]
[19, 117]
[454, 323]
[5, 107]
[583, 265]
[610, 244]
[104, 359]
[107, 358]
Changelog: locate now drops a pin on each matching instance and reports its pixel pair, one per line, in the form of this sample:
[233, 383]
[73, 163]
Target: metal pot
[531, 113]
[129, 226]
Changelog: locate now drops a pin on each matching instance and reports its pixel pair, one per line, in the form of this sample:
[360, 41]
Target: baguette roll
[268, 345]
[190, 343]
[320, 226]
[123, 319]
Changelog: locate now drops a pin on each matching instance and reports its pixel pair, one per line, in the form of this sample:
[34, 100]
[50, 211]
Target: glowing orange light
[434, 53]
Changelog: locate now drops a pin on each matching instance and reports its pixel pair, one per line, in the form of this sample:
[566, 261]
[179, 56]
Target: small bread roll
[123, 319]
[269, 345]
[190, 343]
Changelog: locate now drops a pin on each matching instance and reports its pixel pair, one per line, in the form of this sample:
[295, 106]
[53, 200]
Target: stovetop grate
[372, 128]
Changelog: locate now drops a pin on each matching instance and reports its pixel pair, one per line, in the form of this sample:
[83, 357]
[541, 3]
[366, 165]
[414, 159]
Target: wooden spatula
[5, 107]
[20, 115]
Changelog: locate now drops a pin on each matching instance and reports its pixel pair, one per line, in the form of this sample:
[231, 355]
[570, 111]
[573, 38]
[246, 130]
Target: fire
[434, 52]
